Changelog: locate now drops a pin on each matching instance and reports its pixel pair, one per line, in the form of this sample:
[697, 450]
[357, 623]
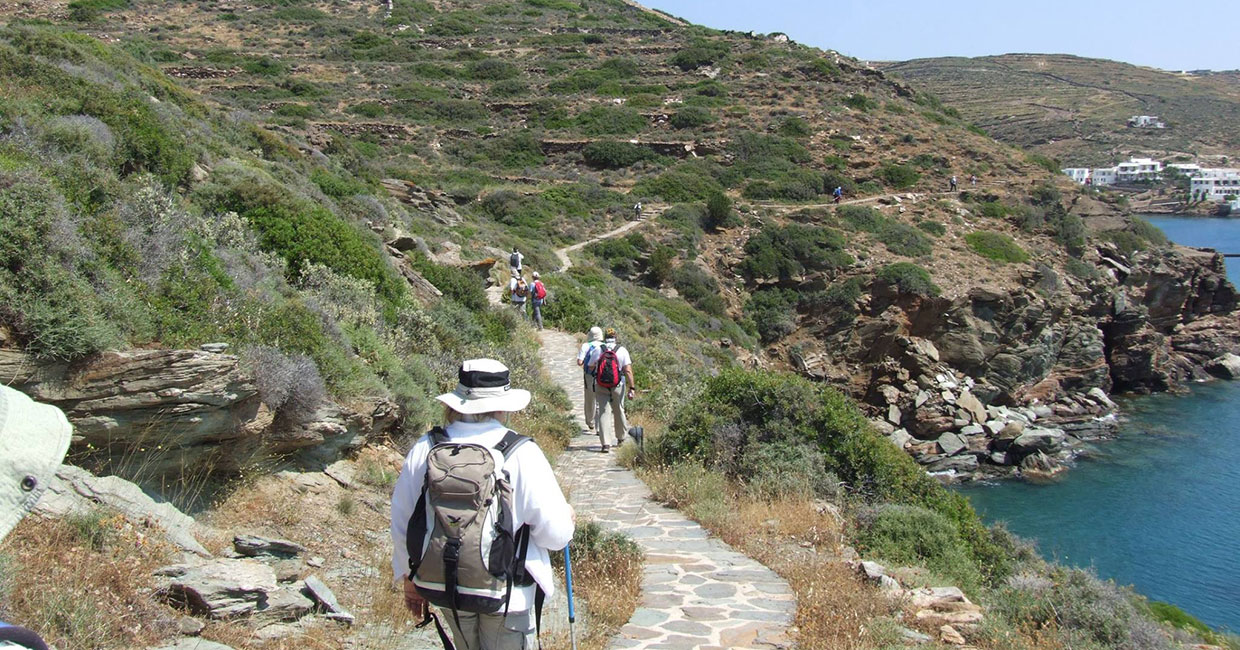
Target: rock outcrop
[175, 412]
[963, 377]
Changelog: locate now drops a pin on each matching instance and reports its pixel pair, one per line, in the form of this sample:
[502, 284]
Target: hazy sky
[1201, 34]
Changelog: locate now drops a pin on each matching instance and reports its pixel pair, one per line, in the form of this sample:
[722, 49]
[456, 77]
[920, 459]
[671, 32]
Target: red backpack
[608, 373]
[540, 292]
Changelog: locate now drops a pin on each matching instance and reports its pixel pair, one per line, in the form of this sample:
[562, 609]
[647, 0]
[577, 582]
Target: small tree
[718, 211]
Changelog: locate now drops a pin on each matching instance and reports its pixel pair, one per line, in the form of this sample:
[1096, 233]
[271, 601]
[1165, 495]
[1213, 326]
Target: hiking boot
[606, 449]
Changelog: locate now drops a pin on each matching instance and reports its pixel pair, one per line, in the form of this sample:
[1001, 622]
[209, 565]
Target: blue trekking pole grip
[568, 583]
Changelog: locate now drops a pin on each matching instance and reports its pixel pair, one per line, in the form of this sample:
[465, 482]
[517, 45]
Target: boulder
[922, 398]
[75, 490]
[893, 414]
[974, 406]
[188, 403]
[403, 243]
[323, 595]
[286, 604]
[221, 588]
[872, 571]
[951, 444]
[192, 643]
[1100, 396]
[960, 464]
[1038, 439]
[254, 545]
[900, 438]
[1225, 367]
[949, 635]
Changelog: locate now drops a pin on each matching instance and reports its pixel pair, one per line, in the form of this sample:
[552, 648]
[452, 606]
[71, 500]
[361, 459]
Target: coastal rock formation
[1047, 350]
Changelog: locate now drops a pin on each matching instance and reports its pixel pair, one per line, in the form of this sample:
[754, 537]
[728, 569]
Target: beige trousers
[588, 388]
[492, 631]
[613, 397]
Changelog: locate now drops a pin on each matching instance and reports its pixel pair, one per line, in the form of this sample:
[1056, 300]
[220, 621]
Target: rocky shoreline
[1015, 381]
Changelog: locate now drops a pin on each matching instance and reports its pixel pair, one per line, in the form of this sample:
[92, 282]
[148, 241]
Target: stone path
[697, 592]
[566, 262]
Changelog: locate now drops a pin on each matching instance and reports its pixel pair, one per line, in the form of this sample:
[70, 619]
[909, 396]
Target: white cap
[33, 440]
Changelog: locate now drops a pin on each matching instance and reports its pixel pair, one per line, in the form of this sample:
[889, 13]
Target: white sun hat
[33, 440]
[483, 386]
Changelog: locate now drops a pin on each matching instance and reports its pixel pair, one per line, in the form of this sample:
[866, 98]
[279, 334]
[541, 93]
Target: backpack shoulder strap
[416, 531]
[438, 436]
[509, 443]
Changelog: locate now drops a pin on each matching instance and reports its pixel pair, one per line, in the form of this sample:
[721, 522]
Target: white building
[1104, 176]
[1138, 169]
[1215, 185]
[1188, 169]
[1146, 122]
[1077, 174]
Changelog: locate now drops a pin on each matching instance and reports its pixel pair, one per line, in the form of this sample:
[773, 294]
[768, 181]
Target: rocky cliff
[961, 381]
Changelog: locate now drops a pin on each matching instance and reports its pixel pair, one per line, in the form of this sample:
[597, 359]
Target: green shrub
[336, 186]
[312, 234]
[898, 176]
[773, 313]
[492, 70]
[692, 117]
[785, 252]
[623, 255]
[1045, 162]
[679, 185]
[862, 218]
[615, 155]
[700, 53]
[903, 239]
[908, 278]
[610, 120]
[719, 212]
[698, 288]
[996, 246]
[89, 10]
[933, 227]
[861, 102]
[508, 88]
[838, 301]
[741, 409]
[792, 126]
[1084, 610]
[1147, 231]
[459, 284]
[908, 535]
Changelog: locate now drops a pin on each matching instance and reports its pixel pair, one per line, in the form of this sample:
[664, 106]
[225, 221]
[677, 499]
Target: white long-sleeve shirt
[537, 501]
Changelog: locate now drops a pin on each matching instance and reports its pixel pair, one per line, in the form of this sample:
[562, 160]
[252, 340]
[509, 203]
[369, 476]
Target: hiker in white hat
[474, 469]
[584, 356]
[33, 440]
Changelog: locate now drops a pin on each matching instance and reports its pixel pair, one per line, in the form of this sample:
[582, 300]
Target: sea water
[1159, 507]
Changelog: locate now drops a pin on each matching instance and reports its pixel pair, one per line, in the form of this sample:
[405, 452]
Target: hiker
[837, 194]
[514, 261]
[538, 295]
[613, 373]
[637, 210]
[477, 471]
[33, 440]
[953, 182]
[519, 290]
[584, 356]
[973, 179]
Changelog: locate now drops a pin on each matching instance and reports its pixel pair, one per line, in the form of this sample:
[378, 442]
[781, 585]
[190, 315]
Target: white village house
[1134, 170]
[1215, 184]
[1146, 122]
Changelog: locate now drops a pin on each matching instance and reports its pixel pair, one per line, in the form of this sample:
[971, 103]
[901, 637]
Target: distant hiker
[837, 194]
[613, 374]
[514, 261]
[474, 513]
[538, 295]
[953, 181]
[33, 440]
[519, 291]
[584, 357]
[973, 179]
[637, 210]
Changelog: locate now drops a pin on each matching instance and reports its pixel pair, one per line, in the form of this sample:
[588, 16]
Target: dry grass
[83, 582]
[607, 575]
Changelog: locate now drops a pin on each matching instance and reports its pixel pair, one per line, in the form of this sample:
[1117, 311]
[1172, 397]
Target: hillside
[244, 243]
[1076, 109]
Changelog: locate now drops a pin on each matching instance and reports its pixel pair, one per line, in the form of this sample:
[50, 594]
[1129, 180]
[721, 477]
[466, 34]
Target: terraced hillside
[1076, 109]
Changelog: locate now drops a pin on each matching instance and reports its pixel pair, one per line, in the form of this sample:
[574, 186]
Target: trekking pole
[568, 582]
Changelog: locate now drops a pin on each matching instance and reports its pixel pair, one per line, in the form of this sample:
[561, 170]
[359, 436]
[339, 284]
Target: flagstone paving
[697, 592]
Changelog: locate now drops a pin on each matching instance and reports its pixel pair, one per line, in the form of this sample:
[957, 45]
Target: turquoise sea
[1158, 508]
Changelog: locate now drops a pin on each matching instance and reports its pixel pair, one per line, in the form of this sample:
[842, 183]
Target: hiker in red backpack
[585, 355]
[538, 295]
[613, 381]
